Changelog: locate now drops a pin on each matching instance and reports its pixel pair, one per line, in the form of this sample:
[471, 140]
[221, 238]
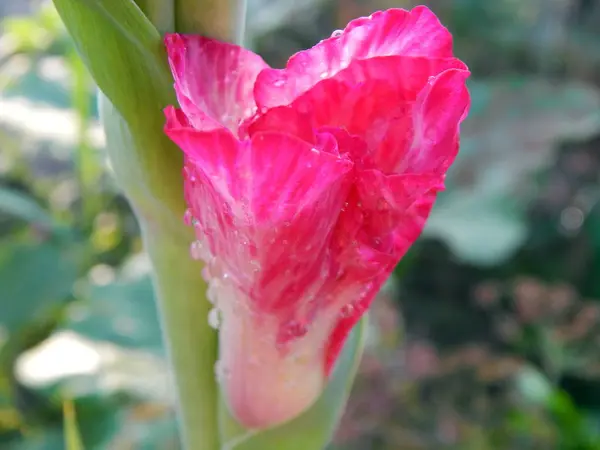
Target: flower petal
[385, 199]
[392, 32]
[266, 203]
[377, 257]
[213, 79]
[376, 99]
[282, 119]
[437, 114]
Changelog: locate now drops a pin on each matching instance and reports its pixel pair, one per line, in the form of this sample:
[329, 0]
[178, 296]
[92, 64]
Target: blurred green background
[487, 338]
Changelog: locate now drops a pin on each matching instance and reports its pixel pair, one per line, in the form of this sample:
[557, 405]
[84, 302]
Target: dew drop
[315, 151]
[278, 83]
[214, 319]
[337, 33]
[221, 371]
[211, 293]
[214, 268]
[382, 205]
[196, 250]
[255, 265]
[294, 329]
[324, 75]
[188, 217]
[347, 311]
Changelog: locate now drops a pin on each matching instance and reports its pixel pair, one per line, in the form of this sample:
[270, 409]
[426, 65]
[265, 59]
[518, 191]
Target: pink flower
[306, 186]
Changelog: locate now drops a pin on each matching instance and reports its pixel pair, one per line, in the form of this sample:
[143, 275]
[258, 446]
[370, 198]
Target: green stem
[191, 344]
[219, 19]
[241, 13]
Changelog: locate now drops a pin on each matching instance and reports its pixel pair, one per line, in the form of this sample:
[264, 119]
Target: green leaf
[97, 425]
[481, 226]
[32, 278]
[21, 206]
[313, 430]
[534, 386]
[126, 57]
[47, 438]
[124, 53]
[123, 312]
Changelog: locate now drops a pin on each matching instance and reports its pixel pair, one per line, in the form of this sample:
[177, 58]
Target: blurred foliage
[488, 336]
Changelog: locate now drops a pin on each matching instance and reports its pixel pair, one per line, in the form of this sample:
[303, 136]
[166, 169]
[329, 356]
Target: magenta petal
[375, 99]
[437, 114]
[285, 120]
[268, 202]
[386, 33]
[213, 78]
[386, 198]
[386, 201]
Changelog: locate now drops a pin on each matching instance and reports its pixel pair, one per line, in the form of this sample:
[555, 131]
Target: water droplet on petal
[256, 267]
[294, 329]
[197, 250]
[337, 33]
[347, 311]
[221, 371]
[324, 75]
[214, 268]
[214, 319]
[187, 217]
[382, 205]
[211, 292]
[278, 83]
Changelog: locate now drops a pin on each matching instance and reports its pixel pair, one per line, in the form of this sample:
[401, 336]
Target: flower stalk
[190, 343]
[121, 43]
[191, 346]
